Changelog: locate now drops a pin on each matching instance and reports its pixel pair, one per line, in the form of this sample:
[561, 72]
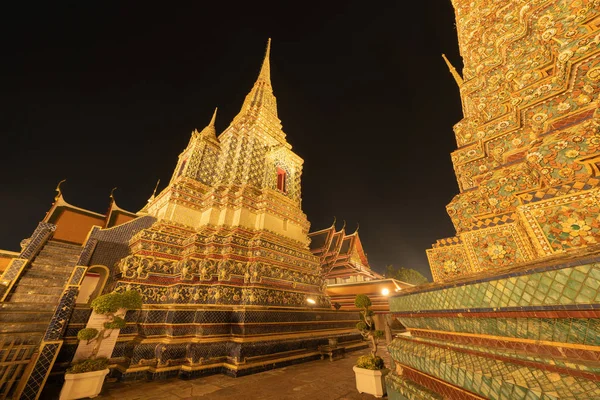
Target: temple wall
[517, 335]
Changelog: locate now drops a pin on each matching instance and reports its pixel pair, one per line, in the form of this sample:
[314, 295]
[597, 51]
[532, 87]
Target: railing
[15, 354]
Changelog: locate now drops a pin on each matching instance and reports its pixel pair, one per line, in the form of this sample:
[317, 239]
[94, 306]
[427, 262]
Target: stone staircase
[31, 303]
[28, 309]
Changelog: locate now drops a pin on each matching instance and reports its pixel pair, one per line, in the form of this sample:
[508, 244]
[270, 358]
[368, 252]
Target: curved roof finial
[58, 191]
[112, 197]
[344, 226]
[334, 221]
[456, 75]
[357, 227]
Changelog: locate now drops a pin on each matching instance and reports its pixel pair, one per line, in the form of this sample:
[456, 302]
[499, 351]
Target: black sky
[106, 94]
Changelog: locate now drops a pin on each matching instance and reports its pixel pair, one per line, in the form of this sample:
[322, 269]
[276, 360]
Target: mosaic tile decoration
[530, 126]
[577, 286]
[584, 331]
[408, 389]
[489, 377]
[40, 372]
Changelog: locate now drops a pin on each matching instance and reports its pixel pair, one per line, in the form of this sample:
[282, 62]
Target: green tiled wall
[566, 286]
[567, 330]
[489, 377]
[405, 389]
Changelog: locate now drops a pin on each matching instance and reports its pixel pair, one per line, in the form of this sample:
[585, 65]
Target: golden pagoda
[232, 210]
[220, 256]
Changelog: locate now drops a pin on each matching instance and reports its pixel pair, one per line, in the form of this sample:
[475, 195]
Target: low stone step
[29, 316]
[30, 289]
[25, 306]
[51, 268]
[50, 260]
[21, 327]
[42, 280]
[34, 298]
[57, 244]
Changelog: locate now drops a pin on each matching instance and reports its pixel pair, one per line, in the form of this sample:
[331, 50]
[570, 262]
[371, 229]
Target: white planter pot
[370, 381]
[87, 384]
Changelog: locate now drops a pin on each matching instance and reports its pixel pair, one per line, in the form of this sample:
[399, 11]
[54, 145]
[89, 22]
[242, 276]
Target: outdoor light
[310, 301]
[385, 291]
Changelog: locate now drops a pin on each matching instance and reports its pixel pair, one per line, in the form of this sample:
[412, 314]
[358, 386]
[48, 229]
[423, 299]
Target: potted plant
[369, 370]
[85, 377]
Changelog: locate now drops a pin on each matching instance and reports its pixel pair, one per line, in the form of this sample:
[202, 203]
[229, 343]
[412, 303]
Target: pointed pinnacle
[265, 70]
[214, 117]
[456, 75]
[209, 130]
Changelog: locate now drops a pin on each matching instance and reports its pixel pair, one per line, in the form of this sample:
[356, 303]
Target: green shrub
[107, 303]
[362, 301]
[111, 302]
[370, 362]
[89, 365]
[361, 326]
[87, 334]
[131, 300]
[116, 323]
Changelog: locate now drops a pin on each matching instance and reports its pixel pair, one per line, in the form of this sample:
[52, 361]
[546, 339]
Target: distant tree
[405, 275]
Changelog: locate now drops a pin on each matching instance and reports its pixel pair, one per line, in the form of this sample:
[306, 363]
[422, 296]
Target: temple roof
[73, 224]
[341, 255]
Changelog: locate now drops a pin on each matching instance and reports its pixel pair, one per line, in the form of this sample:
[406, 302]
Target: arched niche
[92, 284]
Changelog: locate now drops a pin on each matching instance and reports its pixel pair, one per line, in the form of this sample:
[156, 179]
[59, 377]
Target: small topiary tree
[108, 305]
[367, 329]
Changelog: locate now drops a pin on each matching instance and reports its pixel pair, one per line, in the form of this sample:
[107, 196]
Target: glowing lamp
[385, 291]
[310, 301]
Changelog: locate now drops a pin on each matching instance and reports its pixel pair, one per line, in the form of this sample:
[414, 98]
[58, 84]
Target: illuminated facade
[513, 312]
[346, 270]
[528, 145]
[221, 257]
[341, 256]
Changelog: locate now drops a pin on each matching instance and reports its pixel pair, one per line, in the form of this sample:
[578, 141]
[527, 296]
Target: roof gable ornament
[58, 190]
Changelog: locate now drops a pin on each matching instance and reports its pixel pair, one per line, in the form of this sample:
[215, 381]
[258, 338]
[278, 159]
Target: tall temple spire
[261, 100]
[455, 74]
[265, 70]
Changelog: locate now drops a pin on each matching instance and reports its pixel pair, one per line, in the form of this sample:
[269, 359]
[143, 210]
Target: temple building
[347, 272]
[220, 255]
[513, 312]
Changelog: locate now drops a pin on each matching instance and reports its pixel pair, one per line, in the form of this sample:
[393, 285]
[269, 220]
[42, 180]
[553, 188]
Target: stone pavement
[315, 380]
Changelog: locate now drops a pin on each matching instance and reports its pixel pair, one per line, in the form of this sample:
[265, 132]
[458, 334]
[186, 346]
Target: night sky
[106, 95]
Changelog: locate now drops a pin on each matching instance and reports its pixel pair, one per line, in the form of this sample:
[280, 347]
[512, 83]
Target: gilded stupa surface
[220, 256]
[231, 213]
[529, 142]
[514, 309]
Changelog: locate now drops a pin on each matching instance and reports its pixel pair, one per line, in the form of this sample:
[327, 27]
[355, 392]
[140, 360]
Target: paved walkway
[322, 380]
